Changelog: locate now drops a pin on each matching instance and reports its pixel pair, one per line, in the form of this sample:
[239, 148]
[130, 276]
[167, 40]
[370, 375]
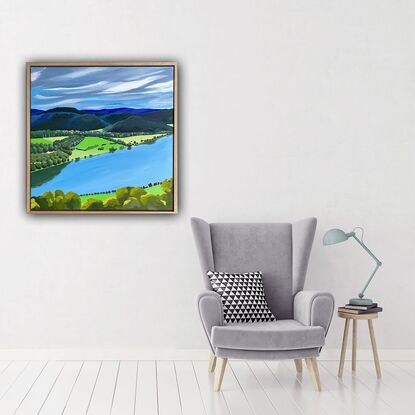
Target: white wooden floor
[185, 387]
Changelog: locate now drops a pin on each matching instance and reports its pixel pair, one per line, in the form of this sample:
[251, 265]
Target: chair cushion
[242, 295]
[276, 335]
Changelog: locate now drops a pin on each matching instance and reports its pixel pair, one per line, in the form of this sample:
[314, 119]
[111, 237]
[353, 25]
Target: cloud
[103, 87]
[135, 77]
[77, 89]
[39, 96]
[161, 102]
[80, 72]
[160, 87]
[35, 74]
[67, 101]
[62, 103]
[130, 85]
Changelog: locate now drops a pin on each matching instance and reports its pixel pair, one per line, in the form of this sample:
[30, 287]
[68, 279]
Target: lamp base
[360, 301]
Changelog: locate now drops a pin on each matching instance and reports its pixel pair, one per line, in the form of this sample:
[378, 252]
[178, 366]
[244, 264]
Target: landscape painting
[101, 137]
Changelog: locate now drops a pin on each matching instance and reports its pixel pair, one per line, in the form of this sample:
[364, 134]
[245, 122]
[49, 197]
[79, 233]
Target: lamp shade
[334, 236]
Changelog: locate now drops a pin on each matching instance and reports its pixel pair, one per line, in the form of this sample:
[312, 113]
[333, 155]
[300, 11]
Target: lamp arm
[361, 294]
[378, 263]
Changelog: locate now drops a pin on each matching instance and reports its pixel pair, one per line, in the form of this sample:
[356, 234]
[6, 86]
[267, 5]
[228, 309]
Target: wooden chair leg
[220, 370]
[344, 345]
[312, 367]
[212, 363]
[374, 349]
[354, 345]
[298, 365]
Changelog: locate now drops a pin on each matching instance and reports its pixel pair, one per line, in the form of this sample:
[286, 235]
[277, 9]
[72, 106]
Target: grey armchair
[281, 252]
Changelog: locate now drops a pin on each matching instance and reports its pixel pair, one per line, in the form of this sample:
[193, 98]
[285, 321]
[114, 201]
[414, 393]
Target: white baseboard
[173, 354]
[366, 354]
[102, 354]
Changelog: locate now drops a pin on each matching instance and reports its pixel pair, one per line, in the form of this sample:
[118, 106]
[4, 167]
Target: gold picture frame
[130, 201]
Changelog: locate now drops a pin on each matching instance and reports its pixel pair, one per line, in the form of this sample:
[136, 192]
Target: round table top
[367, 316]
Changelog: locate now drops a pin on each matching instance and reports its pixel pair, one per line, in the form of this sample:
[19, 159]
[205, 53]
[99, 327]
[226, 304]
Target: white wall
[287, 109]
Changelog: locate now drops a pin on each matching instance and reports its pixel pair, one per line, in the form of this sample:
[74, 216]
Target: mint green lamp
[335, 236]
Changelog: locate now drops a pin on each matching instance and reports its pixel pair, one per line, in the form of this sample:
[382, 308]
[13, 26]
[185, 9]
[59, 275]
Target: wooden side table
[355, 318]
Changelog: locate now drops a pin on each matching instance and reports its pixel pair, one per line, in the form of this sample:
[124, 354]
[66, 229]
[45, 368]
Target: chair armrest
[314, 308]
[209, 304]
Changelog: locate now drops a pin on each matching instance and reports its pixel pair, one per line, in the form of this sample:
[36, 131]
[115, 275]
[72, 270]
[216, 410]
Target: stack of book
[360, 309]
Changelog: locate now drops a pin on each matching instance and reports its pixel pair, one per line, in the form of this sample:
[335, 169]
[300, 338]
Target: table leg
[374, 349]
[344, 345]
[354, 345]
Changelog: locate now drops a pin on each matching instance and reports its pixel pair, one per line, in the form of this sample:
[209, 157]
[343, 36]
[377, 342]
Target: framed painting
[101, 137]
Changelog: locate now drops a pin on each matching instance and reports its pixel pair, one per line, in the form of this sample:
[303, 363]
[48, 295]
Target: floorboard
[348, 398]
[9, 375]
[279, 397]
[257, 398]
[397, 394]
[81, 393]
[125, 392]
[186, 388]
[306, 398]
[329, 404]
[146, 394]
[235, 398]
[214, 402]
[18, 391]
[356, 385]
[190, 395]
[168, 391]
[103, 395]
[40, 390]
[61, 391]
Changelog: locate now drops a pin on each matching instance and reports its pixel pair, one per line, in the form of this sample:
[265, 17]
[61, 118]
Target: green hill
[67, 118]
[66, 121]
[165, 116]
[139, 123]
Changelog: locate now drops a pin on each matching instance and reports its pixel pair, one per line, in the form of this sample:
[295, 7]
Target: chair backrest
[279, 250]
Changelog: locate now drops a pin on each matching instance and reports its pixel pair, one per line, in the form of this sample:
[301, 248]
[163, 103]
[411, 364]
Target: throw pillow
[242, 296]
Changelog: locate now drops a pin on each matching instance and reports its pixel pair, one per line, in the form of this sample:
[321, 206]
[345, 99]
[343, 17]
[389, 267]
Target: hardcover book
[361, 307]
[351, 311]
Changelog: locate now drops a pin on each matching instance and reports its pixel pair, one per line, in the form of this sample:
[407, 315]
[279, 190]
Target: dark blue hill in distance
[105, 111]
[66, 121]
[132, 111]
[112, 119]
[35, 111]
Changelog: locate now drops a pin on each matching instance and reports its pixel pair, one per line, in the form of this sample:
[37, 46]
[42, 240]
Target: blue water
[136, 167]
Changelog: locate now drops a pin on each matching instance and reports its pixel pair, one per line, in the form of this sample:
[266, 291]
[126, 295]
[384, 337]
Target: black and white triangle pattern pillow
[242, 296]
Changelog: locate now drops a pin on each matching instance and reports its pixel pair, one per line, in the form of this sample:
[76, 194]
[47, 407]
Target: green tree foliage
[34, 205]
[43, 156]
[59, 203]
[93, 204]
[152, 202]
[72, 201]
[167, 196]
[56, 201]
[122, 194]
[137, 192]
[132, 204]
[126, 198]
[167, 185]
[112, 203]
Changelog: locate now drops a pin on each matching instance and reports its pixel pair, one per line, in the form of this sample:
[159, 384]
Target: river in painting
[139, 166]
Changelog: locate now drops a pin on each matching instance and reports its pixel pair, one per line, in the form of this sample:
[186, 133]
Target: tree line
[47, 155]
[125, 198]
[102, 134]
[151, 184]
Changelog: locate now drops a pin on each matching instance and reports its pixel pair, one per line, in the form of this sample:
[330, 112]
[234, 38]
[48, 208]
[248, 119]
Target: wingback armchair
[281, 252]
